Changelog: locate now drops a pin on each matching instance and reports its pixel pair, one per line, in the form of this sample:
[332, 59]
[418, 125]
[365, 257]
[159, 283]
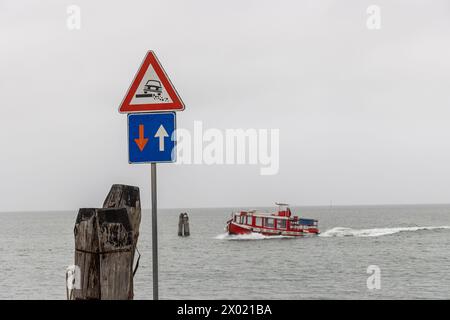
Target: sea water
[410, 246]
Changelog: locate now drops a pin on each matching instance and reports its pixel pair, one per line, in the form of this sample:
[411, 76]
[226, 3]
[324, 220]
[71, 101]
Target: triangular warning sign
[151, 90]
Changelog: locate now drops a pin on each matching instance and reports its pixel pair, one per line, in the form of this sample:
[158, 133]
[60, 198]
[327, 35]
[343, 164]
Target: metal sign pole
[154, 235]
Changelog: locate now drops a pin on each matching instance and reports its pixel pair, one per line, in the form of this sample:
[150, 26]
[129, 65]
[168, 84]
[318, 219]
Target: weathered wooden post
[186, 225]
[105, 244]
[183, 225]
[180, 225]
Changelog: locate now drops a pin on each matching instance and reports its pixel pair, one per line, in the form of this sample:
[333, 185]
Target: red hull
[238, 229]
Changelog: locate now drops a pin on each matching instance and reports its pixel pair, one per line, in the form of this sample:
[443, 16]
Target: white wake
[375, 232]
[248, 236]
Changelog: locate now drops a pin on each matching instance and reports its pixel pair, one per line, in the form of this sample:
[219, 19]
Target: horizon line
[240, 206]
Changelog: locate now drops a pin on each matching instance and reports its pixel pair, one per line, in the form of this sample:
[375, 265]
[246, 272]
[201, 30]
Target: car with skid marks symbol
[153, 88]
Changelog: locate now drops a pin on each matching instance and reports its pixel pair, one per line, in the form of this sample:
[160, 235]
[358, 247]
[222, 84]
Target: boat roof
[262, 214]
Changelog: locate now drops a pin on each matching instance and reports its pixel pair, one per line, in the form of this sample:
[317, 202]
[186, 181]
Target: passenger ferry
[280, 223]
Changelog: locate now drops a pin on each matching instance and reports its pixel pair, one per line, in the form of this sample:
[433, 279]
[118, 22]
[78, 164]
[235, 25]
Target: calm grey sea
[410, 245]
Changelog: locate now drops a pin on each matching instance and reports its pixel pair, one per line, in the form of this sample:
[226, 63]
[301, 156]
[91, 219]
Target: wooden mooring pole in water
[105, 245]
[183, 225]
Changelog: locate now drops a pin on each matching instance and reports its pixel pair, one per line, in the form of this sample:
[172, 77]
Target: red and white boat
[280, 223]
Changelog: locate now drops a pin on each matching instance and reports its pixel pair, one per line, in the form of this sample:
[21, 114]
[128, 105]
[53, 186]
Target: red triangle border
[176, 104]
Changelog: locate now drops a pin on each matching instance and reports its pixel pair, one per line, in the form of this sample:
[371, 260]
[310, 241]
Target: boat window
[281, 224]
[237, 218]
[258, 221]
[249, 220]
[269, 222]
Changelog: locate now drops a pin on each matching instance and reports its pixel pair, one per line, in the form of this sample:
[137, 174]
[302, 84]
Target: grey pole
[154, 235]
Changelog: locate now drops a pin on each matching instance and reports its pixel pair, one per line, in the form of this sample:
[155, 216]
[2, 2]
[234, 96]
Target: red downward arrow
[141, 142]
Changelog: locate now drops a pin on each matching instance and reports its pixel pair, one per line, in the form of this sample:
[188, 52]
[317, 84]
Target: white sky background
[364, 115]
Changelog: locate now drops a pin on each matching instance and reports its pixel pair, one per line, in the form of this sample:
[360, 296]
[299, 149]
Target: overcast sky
[364, 115]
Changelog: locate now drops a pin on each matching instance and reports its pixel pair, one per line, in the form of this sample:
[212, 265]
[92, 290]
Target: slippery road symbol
[152, 88]
[152, 91]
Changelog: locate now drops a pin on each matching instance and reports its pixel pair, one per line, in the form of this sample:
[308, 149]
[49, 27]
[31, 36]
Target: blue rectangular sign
[151, 137]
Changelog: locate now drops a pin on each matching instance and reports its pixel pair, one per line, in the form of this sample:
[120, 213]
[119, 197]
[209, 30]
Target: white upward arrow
[161, 134]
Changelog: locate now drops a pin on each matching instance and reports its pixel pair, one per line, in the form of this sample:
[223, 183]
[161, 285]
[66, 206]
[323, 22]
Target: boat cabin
[281, 222]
